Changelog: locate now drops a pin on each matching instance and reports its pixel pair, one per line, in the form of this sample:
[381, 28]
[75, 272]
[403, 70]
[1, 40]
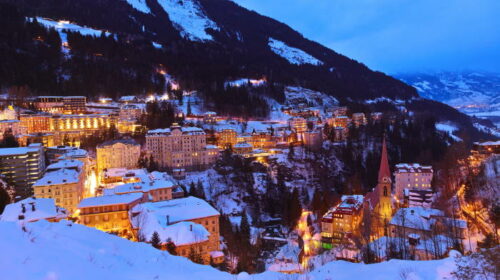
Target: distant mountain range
[475, 93]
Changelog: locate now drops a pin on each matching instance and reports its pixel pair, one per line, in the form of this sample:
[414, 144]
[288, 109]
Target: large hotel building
[180, 147]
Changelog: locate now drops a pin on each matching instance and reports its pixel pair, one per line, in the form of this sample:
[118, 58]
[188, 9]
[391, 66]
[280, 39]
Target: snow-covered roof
[413, 167]
[185, 130]
[139, 187]
[182, 209]
[118, 141]
[416, 217]
[58, 177]
[141, 174]
[66, 164]
[17, 151]
[44, 208]
[110, 200]
[128, 98]
[242, 145]
[181, 233]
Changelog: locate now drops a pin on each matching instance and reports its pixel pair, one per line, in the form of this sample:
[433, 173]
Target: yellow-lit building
[118, 153]
[65, 186]
[193, 217]
[342, 222]
[35, 123]
[181, 147]
[109, 213]
[12, 126]
[227, 138]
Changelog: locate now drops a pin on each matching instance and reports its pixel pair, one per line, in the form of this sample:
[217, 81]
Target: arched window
[385, 190]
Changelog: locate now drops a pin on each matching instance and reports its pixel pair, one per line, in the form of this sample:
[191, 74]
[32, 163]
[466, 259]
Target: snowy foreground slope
[70, 251]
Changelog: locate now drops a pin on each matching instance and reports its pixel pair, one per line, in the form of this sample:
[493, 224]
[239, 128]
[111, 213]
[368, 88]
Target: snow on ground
[70, 251]
[63, 26]
[189, 18]
[488, 130]
[449, 129]
[140, 5]
[315, 98]
[245, 81]
[293, 55]
[156, 45]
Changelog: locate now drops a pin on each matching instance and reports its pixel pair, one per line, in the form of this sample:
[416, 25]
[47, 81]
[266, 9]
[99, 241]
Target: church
[380, 201]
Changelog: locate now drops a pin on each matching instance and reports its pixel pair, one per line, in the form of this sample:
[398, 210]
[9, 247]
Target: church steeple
[384, 173]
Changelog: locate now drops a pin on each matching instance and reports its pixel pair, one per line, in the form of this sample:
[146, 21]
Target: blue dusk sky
[397, 36]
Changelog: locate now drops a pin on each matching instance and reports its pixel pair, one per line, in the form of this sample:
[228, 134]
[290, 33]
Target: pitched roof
[110, 200]
[44, 208]
[384, 170]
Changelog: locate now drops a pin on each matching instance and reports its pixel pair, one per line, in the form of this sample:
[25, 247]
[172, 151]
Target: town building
[242, 148]
[341, 222]
[210, 117]
[298, 124]
[418, 197]
[376, 116]
[340, 133]
[13, 127]
[22, 167]
[190, 213]
[156, 190]
[35, 123]
[226, 138]
[123, 153]
[339, 121]
[262, 140]
[65, 186]
[131, 111]
[33, 209]
[427, 224]
[181, 147]
[339, 111]
[56, 153]
[313, 139]
[46, 139]
[109, 213]
[411, 176]
[61, 104]
[358, 119]
[8, 113]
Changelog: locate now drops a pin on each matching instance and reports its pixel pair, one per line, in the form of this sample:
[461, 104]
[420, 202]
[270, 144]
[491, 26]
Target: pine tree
[295, 208]
[193, 190]
[200, 190]
[291, 152]
[171, 248]
[188, 111]
[155, 240]
[245, 228]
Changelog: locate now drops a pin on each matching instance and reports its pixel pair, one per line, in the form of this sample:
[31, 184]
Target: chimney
[168, 220]
[191, 227]
[23, 208]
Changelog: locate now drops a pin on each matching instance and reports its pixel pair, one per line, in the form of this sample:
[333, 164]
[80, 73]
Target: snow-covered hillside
[293, 55]
[140, 5]
[63, 26]
[45, 250]
[474, 93]
[189, 18]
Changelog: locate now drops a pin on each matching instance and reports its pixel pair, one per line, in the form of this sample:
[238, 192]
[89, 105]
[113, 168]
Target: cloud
[398, 35]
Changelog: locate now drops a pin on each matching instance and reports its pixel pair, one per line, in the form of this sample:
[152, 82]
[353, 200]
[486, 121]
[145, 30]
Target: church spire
[384, 171]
